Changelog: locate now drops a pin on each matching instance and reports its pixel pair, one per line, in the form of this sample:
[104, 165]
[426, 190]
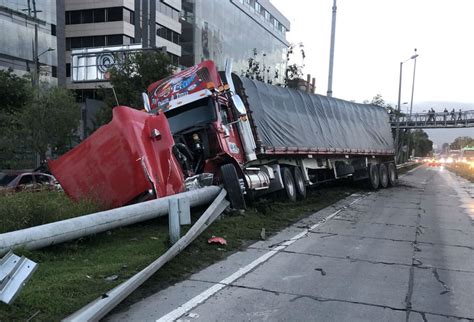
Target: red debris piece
[217, 240]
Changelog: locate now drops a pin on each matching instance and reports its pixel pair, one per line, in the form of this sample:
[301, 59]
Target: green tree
[270, 74]
[131, 77]
[15, 93]
[50, 121]
[461, 142]
[421, 143]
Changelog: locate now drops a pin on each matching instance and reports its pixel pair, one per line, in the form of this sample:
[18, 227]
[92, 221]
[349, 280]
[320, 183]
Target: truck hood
[122, 160]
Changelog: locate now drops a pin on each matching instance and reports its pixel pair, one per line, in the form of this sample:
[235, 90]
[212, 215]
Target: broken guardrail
[97, 309]
[69, 229]
[15, 271]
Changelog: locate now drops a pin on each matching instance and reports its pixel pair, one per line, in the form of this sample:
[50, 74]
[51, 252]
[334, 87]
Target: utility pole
[411, 102]
[331, 51]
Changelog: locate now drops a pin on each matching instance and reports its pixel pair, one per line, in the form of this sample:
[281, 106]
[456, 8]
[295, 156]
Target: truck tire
[299, 183]
[383, 173]
[374, 177]
[232, 185]
[289, 190]
[392, 174]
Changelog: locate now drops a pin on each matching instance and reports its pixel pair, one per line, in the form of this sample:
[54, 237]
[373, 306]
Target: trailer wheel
[383, 172]
[232, 185]
[374, 177]
[299, 183]
[392, 174]
[289, 189]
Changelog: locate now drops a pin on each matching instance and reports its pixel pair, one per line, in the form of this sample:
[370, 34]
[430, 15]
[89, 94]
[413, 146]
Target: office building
[220, 29]
[17, 37]
[107, 23]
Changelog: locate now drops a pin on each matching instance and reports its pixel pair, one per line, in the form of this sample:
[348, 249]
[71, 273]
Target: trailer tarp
[287, 118]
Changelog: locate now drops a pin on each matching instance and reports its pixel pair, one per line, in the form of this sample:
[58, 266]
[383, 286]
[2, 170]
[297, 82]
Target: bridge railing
[443, 119]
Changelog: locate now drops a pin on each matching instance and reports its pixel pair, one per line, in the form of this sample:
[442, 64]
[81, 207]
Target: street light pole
[413, 83]
[331, 51]
[411, 102]
[397, 133]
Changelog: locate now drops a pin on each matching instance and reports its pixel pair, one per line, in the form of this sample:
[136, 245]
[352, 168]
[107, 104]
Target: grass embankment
[404, 170]
[462, 170]
[72, 274]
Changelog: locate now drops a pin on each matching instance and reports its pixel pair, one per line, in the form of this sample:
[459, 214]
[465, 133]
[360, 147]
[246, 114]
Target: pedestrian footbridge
[433, 120]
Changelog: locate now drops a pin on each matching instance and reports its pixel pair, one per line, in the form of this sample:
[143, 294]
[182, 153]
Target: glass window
[175, 37]
[128, 16]
[114, 14]
[114, 40]
[87, 16]
[99, 15]
[75, 17]
[42, 179]
[68, 17]
[26, 179]
[87, 42]
[68, 70]
[161, 31]
[53, 29]
[99, 41]
[68, 43]
[76, 42]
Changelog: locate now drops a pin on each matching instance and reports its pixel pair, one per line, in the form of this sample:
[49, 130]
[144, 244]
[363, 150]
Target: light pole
[37, 64]
[331, 50]
[397, 133]
[411, 101]
[413, 83]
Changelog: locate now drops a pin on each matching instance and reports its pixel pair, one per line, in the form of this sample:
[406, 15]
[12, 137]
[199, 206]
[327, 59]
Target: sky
[374, 36]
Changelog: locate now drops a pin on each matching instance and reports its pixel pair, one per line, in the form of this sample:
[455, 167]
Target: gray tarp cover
[290, 118]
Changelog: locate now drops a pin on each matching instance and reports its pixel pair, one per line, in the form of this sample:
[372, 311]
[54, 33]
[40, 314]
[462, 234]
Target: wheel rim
[290, 185]
[375, 176]
[392, 174]
[299, 181]
[383, 175]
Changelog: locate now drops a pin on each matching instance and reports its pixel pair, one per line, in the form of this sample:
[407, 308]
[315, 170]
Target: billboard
[92, 64]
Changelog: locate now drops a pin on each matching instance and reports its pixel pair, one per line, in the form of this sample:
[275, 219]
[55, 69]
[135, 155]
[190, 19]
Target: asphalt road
[399, 254]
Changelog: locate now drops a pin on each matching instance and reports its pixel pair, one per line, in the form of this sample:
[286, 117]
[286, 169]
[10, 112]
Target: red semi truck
[252, 138]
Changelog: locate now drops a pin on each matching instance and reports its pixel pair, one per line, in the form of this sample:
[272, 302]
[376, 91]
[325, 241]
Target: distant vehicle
[28, 181]
[467, 154]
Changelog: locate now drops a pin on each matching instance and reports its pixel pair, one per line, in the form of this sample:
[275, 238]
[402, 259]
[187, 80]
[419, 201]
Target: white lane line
[199, 299]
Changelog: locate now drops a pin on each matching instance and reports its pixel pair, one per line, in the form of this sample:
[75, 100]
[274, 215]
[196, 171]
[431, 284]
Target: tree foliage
[258, 70]
[50, 122]
[33, 120]
[461, 142]
[131, 77]
[421, 143]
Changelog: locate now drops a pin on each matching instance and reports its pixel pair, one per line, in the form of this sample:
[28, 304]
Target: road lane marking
[205, 295]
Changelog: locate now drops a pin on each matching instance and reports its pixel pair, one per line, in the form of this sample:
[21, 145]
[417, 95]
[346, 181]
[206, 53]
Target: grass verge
[462, 170]
[72, 274]
[408, 168]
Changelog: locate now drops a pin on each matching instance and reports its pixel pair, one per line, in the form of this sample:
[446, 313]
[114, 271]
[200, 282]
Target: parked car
[28, 181]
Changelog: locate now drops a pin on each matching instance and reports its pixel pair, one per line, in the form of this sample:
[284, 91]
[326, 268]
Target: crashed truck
[202, 127]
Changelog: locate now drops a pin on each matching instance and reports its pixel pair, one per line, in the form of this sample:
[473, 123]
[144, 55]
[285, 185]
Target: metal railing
[434, 120]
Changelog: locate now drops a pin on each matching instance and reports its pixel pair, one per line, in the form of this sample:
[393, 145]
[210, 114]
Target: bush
[27, 209]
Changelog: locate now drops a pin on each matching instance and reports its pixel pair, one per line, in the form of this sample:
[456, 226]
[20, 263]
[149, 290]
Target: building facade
[106, 23]
[17, 37]
[236, 29]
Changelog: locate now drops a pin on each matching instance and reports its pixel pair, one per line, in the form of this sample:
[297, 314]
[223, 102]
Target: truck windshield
[192, 115]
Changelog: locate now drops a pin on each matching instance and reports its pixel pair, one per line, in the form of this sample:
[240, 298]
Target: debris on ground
[111, 278]
[217, 240]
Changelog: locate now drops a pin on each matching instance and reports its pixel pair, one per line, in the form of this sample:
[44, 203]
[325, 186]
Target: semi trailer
[202, 126]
